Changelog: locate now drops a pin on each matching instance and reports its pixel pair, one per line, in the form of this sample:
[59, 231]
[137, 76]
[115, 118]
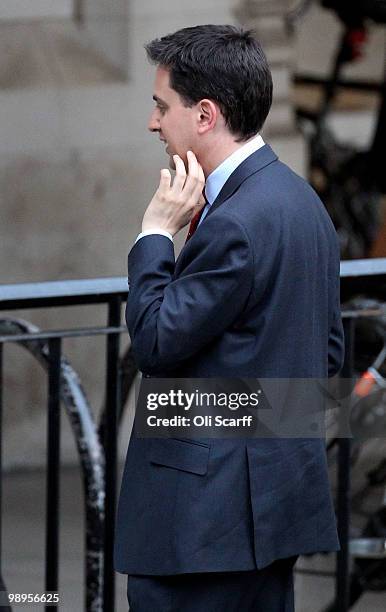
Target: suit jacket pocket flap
[181, 455]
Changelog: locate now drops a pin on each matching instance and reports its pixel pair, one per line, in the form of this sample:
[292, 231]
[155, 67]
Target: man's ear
[208, 113]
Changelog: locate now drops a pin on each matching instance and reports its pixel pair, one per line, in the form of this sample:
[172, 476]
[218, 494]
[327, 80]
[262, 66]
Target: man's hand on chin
[174, 204]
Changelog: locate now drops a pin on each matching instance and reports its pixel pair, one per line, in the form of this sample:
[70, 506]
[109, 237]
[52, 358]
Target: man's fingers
[192, 178]
[195, 180]
[192, 164]
[176, 201]
[179, 179]
[197, 196]
[198, 193]
[165, 180]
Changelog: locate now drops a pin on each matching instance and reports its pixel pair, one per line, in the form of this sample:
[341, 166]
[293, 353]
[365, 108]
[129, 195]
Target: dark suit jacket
[253, 294]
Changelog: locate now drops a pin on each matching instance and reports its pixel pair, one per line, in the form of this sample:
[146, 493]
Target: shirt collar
[217, 179]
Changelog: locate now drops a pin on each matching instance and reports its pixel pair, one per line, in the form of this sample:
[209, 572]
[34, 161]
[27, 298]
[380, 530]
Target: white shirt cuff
[154, 231]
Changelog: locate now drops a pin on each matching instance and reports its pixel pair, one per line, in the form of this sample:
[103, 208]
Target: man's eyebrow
[159, 100]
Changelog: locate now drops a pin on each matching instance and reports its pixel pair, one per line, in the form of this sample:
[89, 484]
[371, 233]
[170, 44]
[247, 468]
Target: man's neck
[215, 181]
[220, 150]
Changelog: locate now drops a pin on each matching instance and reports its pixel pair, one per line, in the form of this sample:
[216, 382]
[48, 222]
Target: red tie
[195, 221]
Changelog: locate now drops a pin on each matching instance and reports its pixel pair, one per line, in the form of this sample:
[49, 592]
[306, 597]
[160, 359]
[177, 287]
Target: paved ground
[23, 546]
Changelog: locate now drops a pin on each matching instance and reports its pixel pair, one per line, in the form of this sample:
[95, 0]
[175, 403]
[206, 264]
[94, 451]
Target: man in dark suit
[218, 524]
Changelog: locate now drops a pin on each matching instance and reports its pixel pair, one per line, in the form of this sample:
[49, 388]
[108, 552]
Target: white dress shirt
[217, 179]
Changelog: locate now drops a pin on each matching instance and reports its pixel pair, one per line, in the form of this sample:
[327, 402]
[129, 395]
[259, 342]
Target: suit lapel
[254, 163]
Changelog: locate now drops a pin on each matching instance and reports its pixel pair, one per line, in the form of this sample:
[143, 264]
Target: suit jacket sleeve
[171, 318]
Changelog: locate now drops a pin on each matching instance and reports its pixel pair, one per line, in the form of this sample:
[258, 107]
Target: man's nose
[153, 124]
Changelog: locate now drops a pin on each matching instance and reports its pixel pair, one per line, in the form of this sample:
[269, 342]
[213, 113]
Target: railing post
[53, 467]
[342, 588]
[110, 446]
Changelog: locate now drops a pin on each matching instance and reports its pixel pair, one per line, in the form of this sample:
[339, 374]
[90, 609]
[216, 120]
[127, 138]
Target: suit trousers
[267, 590]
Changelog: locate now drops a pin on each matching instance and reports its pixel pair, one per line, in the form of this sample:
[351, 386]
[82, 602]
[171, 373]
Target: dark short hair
[223, 63]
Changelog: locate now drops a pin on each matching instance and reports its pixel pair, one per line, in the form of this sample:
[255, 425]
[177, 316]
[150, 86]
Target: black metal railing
[97, 442]
[366, 277]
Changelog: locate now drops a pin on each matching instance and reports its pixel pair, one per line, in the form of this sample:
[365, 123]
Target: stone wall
[35, 9]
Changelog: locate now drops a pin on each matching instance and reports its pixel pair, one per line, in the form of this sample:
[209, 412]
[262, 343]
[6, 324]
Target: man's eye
[161, 109]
